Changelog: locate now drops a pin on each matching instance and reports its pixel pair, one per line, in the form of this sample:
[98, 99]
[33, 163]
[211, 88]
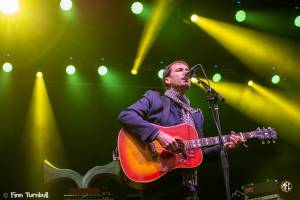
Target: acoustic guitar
[144, 163]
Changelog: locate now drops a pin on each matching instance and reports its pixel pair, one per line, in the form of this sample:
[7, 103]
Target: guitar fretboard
[209, 141]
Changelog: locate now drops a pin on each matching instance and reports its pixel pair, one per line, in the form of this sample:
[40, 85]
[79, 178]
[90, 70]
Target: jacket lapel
[198, 121]
[166, 110]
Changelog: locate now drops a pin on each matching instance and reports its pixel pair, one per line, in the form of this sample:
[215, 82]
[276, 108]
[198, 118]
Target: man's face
[177, 78]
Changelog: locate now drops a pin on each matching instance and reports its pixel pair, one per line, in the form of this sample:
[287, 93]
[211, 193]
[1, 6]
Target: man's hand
[167, 141]
[235, 140]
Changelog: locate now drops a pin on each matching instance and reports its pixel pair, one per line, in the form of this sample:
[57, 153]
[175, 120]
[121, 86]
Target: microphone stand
[212, 99]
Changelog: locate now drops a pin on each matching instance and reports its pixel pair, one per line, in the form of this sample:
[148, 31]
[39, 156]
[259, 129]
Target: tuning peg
[268, 141]
[263, 142]
[274, 141]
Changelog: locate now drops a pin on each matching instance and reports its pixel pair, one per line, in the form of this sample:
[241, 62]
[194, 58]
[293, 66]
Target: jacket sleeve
[211, 151]
[134, 118]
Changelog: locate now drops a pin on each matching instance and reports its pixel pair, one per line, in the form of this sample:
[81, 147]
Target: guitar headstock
[266, 134]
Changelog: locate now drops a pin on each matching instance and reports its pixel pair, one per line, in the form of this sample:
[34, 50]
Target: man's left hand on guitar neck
[235, 140]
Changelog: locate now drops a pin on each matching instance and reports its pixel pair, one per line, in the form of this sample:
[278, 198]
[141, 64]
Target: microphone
[192, 71]
[207, 87]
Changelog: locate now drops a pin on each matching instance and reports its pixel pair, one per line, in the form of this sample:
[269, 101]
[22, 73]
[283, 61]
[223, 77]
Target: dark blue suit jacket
[157, 109]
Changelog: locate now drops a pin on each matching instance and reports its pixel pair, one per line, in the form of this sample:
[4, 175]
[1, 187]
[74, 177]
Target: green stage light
[216, 77]
[102, 70]
[275, 79]
[7, 67]
[240, 16]
[66, 5]
[70, 69]
[9, 7]
[297, 21]
[137, 8]
[160, 73]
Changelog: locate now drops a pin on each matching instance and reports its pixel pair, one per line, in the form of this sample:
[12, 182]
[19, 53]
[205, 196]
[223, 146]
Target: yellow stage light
[264, 106]
[259, 51]
[194, 18]
[39, 74]
[134, 72]
[161, 11]
[9, 7]
[41, 134]
[250, 83]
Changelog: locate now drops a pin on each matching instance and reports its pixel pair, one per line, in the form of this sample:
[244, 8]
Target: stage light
[39, 74]
[102, 70]
[160, 11]
[250, 83]
[215, 66]
[194, 18]
[297, 21]
[238, 2]
[70, 69]
[242, 41]
[194, 80]
[260, 103]
[240, 16]
[160, 73]
[275, 79]
[66, 5]
[137, 8]
[9, 7]
[216, 77]
[7, 67]
[134, 72]
[41, 133]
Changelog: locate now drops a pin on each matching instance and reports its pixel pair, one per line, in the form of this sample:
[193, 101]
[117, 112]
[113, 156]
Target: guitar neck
[210, 141]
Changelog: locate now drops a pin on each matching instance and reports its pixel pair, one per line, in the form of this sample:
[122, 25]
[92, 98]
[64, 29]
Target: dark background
[106, 32]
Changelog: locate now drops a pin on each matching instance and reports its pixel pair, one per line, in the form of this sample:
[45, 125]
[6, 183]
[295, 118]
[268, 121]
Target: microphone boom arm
[210, 90]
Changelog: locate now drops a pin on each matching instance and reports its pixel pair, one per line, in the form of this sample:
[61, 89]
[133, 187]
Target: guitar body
[141, 165]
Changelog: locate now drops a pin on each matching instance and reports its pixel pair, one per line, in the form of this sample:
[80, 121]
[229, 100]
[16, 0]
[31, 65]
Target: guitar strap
[166, 110]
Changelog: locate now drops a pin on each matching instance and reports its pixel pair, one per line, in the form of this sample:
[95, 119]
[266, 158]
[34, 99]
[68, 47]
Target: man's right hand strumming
[168, 142]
